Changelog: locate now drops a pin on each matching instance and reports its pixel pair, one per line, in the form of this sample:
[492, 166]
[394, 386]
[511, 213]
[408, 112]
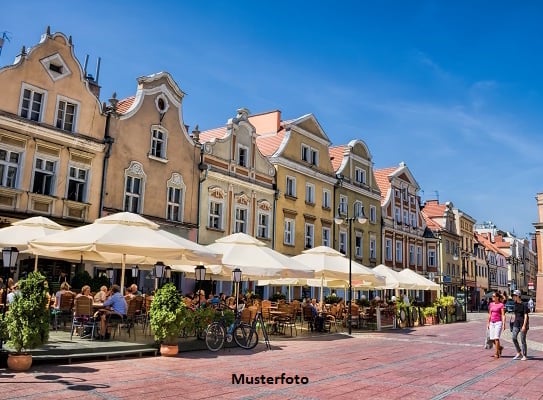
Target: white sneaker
[523, 358]
[517, 356]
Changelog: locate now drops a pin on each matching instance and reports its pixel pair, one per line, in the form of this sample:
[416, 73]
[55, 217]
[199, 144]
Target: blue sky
[453, 89]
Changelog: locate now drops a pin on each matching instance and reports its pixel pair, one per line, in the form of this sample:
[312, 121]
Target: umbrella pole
[35, 263]
[123, 262]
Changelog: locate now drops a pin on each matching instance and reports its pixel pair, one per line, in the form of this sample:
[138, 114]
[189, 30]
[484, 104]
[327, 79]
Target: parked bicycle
[218, 332]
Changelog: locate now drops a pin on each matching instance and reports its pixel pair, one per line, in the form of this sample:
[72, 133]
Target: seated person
[101, 295]
[85, 291]
[64, 288]
[134, 290]
[14, 291]
[115, 307]
[200, 299]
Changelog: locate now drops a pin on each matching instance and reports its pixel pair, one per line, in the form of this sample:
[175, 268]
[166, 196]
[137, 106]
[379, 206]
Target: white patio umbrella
[393, 278]
[419, 281]
[255, 259]
[121, 235]
[21, 232]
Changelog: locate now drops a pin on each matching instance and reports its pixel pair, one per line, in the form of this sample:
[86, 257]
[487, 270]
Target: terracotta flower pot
[168, 350]
[19, 362]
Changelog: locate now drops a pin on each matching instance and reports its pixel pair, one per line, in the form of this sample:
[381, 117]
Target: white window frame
[215, 214]
[241, 219]
[431, 257]
[159, 143]
[9, 170]
[360, 175]
[60, 120]
[289, 235]
[398, 215]
[373, 248]
[399, 250]
[388, 249]
[49, 174]
[419, 255]
[357, 208]
[326, 198]
[411, 254]
[243, 156]
[309, 237]
[290, 186]
[343, 204]
[406, 217]
[81, 185]
[132, 173]
[373, 214]
[310, 193]
[413, 220]
[326, 236]
[263, 229]
[29, 110]
[309, 154]
[342, 241]
[358, 245]
[175, 184]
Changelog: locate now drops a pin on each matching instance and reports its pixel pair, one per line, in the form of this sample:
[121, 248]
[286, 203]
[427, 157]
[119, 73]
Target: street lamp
[200, 274]
[168, 273]
[9, 257]
[159, 273]
[236, 277]
[338, 219]
[466, 255]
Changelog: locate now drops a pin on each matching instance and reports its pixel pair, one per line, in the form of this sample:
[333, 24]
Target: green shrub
[168, 315]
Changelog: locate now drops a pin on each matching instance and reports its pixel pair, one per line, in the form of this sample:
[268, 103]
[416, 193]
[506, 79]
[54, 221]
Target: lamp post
[349, 220]
[135, 272]
[236, 277]
[9, 258]
[466, 255]
[159, 273]
[200, 274]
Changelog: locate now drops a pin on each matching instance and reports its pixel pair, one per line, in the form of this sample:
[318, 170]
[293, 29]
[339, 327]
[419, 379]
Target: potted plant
[27, 321]
[168, 316]
[430, 315]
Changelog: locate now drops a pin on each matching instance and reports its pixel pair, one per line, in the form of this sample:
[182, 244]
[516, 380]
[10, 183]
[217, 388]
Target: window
[360, 176]
[66, 112]
[343, 204]
[431, 258]
[343, 242]
[290, 189]
[309, 236]
[158, 143]
[326, 197]
[288, 238]
[419, 255]
[373, 214]
[175, 197]
[373, 248]
[358, 245]
[414, 220]
[326, 237]
[406, 217]
[215, 214]
[174, 204]
[358, 209]
[310, 193]
[77, 184]
[44, 173]
[309, 155]
[241, 220]
[9, 168]
[132, 194]
[399, 252]
[32, 103]
[243, 156]
[396, 193]
[411, 254]
[398, 214]
[388, 249]
[263, 225]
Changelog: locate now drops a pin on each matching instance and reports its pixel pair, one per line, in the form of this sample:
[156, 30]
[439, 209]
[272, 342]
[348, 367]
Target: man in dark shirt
[520, 326]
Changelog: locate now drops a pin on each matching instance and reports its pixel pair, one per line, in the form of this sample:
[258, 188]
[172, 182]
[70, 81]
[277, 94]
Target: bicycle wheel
[245, 336]
[215, 336]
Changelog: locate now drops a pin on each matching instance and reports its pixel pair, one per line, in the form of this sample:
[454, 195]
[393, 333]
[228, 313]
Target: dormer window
[55, 67]
[360, 176]
[309, 155]
[159, 143]
[243, 156]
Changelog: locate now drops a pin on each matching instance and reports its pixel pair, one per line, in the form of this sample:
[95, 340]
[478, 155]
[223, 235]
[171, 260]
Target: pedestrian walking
[496, 322]
[520, 326]
[531, 305]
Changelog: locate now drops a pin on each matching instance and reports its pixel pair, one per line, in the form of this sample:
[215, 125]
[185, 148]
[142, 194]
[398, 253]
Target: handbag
[488, 343]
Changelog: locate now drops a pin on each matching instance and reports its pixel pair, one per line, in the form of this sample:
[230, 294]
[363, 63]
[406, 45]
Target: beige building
[356, 193]
[152, 165]
[51, 138]
[467, 258]
[238, 186]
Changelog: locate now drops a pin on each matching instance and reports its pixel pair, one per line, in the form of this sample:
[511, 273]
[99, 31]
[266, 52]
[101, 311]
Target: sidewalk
[430, 362]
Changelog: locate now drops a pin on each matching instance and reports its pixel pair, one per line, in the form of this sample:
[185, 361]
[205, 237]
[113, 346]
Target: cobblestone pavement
[431, 362]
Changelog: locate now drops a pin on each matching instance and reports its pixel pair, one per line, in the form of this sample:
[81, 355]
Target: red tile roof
[124, 104]
[269, 144]
[430, 223]
[210, 134]
[381, 178]
[433, 209]
[336, 155]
